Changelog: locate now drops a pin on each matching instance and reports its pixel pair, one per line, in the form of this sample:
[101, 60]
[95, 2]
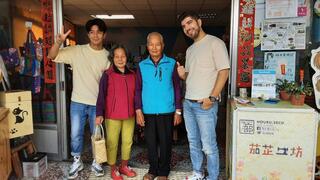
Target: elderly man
[158, 105]
[206, 72]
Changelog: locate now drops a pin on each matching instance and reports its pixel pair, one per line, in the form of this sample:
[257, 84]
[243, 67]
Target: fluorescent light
[105, 16]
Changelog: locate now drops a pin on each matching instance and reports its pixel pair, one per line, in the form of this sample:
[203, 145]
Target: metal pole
[60, 86]
[234, 46]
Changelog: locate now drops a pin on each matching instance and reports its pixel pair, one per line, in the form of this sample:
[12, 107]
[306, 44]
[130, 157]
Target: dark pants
[158, 133]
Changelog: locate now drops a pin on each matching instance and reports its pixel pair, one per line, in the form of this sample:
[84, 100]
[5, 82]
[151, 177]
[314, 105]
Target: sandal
[149, 176]
[162, 178]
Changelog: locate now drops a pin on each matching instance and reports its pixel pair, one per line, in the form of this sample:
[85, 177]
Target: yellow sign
[257, 39]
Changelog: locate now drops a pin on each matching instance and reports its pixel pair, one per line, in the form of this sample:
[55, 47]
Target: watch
[214, 99]
[179, 113]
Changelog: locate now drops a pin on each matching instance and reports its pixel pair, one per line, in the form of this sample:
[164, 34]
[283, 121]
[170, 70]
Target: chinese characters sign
[271, 150]
[281, 140]
[47, 25]
[246, 42]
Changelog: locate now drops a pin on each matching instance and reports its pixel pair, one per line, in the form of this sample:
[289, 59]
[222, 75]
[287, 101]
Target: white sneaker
[76, 167]
[195, 176]
[97, 169]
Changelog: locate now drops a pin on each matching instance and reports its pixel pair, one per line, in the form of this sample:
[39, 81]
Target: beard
[195, 33]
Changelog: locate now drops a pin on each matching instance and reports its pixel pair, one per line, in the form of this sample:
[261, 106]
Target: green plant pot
[284, 95]
[297, 100]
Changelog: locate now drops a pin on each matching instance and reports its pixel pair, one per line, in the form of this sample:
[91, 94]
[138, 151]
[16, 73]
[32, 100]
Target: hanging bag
[99, 149]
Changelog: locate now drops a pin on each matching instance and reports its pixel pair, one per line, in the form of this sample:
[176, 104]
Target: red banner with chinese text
[245, 43]
[48, 37]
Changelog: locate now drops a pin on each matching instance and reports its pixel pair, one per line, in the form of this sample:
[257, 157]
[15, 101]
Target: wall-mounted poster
[281, 8]
[283, 36]
[283, 62]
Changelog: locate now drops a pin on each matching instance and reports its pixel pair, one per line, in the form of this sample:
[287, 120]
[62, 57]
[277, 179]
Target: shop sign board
[274, 145]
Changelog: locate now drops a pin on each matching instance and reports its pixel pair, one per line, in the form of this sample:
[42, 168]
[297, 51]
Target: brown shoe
[149, 176]
[162, 178]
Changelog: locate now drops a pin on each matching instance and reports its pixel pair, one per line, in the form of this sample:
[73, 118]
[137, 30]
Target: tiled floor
[181, 164]
[174, 175]
[59, 170]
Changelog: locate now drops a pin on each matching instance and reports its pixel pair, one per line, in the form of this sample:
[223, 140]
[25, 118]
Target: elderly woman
[116, 104]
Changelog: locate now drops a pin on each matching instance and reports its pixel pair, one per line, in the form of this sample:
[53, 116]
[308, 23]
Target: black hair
[98, 22]
[191, 14]
[113, 48]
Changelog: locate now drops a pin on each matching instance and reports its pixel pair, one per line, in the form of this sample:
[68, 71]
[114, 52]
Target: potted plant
[284, 88]
[298, 93]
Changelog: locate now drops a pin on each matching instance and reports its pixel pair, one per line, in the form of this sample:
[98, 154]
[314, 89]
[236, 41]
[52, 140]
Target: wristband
[179, 113]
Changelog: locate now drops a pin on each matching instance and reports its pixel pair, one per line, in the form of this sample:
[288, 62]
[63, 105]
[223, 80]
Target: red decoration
[48, 37]
[245, 43]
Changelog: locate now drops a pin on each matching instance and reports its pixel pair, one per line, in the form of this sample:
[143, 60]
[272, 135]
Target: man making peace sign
[87, 62]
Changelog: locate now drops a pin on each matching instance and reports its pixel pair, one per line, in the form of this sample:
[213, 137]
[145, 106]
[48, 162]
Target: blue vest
[157, 86]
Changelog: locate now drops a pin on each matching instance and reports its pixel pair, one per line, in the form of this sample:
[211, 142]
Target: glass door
[27, 31]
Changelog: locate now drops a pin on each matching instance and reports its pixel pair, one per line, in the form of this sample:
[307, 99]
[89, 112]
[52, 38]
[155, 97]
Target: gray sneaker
[76, 167]
[97, 169]
[195, 176]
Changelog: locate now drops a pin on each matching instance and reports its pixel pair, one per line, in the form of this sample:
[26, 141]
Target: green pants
[113, 129]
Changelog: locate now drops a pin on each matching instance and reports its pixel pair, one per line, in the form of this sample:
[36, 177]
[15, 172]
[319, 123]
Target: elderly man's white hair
[155, 34]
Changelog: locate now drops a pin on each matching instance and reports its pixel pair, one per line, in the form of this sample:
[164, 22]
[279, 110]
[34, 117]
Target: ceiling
[147, 13]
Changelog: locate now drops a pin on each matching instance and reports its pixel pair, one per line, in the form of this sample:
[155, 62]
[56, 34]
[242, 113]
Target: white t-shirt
[204, 59]
[87, 66]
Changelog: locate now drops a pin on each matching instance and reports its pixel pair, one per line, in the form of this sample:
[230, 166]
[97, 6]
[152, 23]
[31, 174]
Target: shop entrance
[52, 87]
[151, 16]
[27, 30]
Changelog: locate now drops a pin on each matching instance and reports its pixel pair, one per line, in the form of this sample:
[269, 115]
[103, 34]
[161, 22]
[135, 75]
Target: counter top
[283, 105]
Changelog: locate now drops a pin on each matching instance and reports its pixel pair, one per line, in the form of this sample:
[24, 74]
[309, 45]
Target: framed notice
[281, 8]
[283, 62]
[283, 36]
[263, 83]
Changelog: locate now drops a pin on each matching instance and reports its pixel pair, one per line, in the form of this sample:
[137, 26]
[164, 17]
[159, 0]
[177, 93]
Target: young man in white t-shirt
[206, 72]
[88, 62]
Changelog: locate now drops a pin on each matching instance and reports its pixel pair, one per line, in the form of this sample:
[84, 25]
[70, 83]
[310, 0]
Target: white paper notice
[281, 8]
[283, 36]
[263, 83]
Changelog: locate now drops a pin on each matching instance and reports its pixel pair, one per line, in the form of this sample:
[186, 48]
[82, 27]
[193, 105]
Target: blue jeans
[201, 129]
[79, 113]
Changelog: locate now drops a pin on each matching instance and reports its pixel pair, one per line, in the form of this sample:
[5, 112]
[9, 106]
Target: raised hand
[181, 71]
[61, 37]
